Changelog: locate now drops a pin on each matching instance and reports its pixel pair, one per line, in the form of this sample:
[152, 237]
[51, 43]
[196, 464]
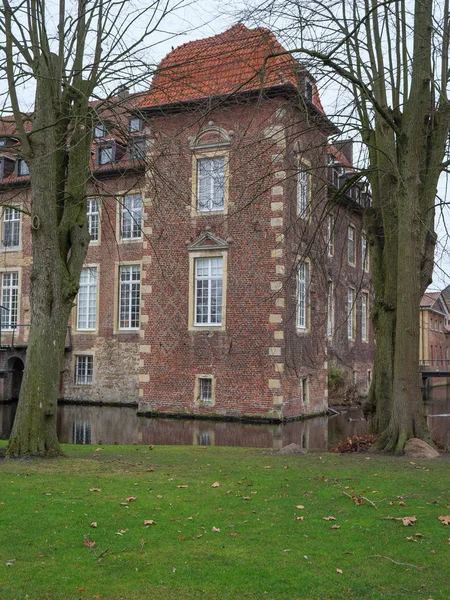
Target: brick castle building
[228, 269]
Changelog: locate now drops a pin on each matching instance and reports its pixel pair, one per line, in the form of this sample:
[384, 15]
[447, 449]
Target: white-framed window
[84, 369]
[208, 291]
[364, 253]
[10, 300]
[351, 314]
[330, 235]
[351, 245]
[93, 218]
[87, 300]
[364, 316]
[330, 309]
[105, 155]
[210, 184]
[131, 217]
[22, 168]
[129, 296]
[11, 228]
[302, 295]
[303, 190]
[99, 130]
[134, 124]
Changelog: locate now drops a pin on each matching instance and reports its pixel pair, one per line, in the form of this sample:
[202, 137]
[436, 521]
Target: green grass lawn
[248, 537]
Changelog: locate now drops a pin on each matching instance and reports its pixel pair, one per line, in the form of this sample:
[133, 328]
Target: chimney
[346, 147]
[123, 93]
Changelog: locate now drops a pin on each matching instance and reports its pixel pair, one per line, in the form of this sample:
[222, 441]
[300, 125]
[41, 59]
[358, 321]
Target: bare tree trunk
[60, 242]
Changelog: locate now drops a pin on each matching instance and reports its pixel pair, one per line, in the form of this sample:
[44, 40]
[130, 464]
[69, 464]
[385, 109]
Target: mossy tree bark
[60, 239]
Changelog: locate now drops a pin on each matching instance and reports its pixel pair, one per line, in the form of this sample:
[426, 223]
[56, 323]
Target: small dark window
[22, 168]
[309, 90]
[99, 130]
[134, 125]
[205, 389]
[137, 149]
[305, 390]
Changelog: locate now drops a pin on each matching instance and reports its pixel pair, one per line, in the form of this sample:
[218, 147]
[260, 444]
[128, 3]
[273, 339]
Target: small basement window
[84, 370]
[205, 389]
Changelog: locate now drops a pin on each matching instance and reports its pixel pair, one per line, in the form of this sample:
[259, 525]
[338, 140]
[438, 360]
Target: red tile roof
[234, 61]
[429, 298]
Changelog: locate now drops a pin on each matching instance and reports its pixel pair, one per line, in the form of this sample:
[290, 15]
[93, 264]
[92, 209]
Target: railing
[435, 364]
[15, 333]
[357, 192]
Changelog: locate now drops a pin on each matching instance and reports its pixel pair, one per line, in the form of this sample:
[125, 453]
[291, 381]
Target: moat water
[119, 425]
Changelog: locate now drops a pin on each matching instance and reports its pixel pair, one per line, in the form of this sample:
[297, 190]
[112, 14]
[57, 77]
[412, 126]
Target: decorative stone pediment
[209, 241]
[210, 137]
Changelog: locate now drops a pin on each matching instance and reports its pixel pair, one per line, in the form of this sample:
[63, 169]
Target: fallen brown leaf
[335, 527]
[95, 490]
[444, 520]
[339, 571]
[131, 499]
[300, 507]
[330, 518]
[182, 486]
[215, 529]
[88, 543]
[94, 524]
[149, 522]
[407, 520]
[216, 484]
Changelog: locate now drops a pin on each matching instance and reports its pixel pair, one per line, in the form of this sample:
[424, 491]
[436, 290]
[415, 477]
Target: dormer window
[99, 130]
[134, 125]
[7, 166]
[105, 155]
[22, 168]
[2, 142]
[309, 90]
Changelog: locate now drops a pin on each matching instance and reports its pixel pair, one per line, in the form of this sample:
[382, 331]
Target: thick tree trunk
[407, 416]
[60, 240]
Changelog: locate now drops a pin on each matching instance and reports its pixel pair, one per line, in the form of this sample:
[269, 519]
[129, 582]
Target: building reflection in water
[78, 424]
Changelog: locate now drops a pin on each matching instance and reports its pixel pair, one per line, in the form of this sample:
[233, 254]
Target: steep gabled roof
[435, 301]
[428, 299]
[237, 60]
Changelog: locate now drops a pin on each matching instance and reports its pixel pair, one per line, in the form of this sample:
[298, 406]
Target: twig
[395, 562]
[369, 501]
[362, 498]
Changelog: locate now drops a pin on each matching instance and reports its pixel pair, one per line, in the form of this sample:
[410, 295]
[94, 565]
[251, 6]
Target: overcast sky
[203, 18]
